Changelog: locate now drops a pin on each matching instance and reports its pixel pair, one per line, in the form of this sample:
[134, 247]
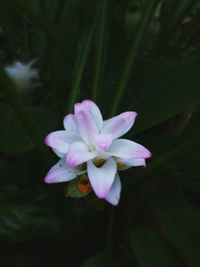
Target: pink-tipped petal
[103, 141]
[79, 153]
[60, 173]
[102, 178]
[113, 196]
[95, 112]
[86, 124]
[119, 125]
[127, 149]
[70, 124]
[61, 140]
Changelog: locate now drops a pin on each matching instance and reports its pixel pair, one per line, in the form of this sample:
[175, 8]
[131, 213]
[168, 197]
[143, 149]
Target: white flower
[89, 140]
[23, 75]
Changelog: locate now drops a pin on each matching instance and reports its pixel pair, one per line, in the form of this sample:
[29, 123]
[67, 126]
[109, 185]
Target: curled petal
[119, 125]
[95, 112]
[85, 123]
[70, 124]
[60, 140]
[113, 196]
[102, 178]
[127, 149]
[103, 141]
[61, 173]
[78, 153]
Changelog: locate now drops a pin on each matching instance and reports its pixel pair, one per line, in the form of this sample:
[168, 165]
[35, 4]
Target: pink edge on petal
[103, 141]
[70, 163]
[46, 140]
[88, 101]
[120, 124]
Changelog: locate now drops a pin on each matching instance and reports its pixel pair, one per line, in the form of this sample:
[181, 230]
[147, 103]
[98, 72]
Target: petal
[61, 173]
[102, 178]
[113, 196]
[95, 112]
[79, 153]
[103, 141]
[127, 149]
[85, 123]
[70, 124]
[124, 164]
[119, 125]
[59, 154]
[61, 140]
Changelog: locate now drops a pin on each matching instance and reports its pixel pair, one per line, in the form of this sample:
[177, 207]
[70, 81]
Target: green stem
[133, 52]
[24, 116]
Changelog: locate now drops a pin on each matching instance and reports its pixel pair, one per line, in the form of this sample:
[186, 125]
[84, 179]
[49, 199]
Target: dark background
[125, 55]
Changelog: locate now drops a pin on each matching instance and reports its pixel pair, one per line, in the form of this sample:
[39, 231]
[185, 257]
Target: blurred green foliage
[126, 55]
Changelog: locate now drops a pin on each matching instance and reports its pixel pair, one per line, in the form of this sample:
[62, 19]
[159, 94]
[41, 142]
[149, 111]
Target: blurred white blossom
[23, 75]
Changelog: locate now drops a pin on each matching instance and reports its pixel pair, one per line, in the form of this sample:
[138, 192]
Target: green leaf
[152, 250]
[180, 224]
[133, 53]
[101, 260]
[83, 51]
[102, 36]
[168, 87]
[13, 137]
[23, 222]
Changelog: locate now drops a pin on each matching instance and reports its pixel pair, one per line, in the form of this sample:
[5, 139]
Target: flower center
[98, 162]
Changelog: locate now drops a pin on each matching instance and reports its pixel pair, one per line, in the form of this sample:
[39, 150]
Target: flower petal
[124, 164]
[119, 125]
[70, 124]
[61, 140]
[103, 141]
[127, 149]
[95, 112]
[102, 178]
[59, 154]
[79, 153]
[61, 173]
[113, 196]
[85, 123]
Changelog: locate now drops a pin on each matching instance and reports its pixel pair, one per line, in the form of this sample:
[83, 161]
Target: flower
[23, 75]
[92, 146]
